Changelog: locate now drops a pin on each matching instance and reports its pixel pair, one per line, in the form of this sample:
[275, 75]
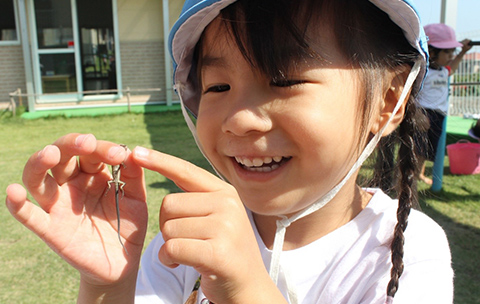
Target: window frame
[17, 25]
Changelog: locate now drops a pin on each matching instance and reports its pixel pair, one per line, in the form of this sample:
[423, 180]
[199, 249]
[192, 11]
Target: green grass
[457, 209]
[32, 273]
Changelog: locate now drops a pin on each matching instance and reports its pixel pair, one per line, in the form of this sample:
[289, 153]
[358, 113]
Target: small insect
[118, 185]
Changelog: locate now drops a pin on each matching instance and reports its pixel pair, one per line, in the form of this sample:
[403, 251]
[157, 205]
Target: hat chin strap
[285, 221]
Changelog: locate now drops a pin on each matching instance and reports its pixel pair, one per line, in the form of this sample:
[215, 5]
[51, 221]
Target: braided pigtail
[407, 192]
[383, 175]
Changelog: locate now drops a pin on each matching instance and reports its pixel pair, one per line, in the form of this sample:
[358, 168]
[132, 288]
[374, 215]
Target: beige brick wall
[12, 72]
[143, 66]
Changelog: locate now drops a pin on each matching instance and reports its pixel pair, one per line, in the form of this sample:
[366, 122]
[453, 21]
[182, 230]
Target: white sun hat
[197, 14]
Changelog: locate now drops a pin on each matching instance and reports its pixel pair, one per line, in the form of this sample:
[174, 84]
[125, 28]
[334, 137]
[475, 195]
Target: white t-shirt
[349, 265]
[434, 94]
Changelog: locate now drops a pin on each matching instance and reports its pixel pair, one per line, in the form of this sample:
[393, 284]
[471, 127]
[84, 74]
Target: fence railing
[127, 92]
[465, 84]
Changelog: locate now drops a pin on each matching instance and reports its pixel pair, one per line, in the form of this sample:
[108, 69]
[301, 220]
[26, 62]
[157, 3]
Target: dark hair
[272, 36]
[404, 170]
[433, 52]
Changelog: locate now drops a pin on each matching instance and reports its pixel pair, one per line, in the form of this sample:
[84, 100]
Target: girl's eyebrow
[211, 61]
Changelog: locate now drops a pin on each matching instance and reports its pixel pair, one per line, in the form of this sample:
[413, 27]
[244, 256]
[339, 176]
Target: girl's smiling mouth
[262, 164]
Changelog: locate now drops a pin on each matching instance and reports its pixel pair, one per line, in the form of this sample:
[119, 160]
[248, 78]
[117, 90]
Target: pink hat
[441, 36]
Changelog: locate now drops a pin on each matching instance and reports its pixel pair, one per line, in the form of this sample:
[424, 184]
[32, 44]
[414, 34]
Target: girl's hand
[466, 46]
[75, 215]
[207, 228]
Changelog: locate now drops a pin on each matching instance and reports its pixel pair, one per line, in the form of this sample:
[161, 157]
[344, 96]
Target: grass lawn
[457, 209]
[32, 273]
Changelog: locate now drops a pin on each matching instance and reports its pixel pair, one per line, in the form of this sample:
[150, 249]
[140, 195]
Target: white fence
[465, 84]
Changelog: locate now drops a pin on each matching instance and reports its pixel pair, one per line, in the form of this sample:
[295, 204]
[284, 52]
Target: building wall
[143, 19]
[175, 7]
[140, 20]
[143, 67]
[12, 74]
[141, 44]
[140, 27]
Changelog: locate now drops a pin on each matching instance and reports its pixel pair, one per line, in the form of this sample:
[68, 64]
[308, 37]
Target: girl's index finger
[184, 174]
[105, 153]
[133, 177]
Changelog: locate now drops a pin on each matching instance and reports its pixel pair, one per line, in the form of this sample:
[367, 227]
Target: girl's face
[281, 144]
[445, 57]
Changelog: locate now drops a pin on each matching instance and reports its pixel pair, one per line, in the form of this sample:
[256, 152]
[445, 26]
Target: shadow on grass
[168, 185]
[446, 196]
[170, 134]
[450, 181]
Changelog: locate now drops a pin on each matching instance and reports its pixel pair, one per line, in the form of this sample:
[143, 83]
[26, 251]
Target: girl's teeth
[257, 163]
[263, 169]
[268, 160]
[247, 162]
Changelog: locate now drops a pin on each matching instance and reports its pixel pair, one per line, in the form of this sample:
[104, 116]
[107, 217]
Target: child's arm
[207, 228]
[77, 218]
[456, 61]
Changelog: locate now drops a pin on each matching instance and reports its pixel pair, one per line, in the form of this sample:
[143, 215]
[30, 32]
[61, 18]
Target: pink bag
[464, 157]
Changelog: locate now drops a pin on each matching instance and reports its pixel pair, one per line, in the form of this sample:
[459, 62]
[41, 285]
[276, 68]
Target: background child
[289, 98]
[433, 99]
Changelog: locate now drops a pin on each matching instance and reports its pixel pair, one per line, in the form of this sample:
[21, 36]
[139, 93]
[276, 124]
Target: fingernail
[42, 152]
[80, 140]
[114, 151]
[141, 152]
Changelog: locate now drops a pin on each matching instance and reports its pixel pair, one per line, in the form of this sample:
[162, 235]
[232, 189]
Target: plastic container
[464, 157]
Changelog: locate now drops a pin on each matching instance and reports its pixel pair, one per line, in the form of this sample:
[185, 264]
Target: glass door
[97, 46]
[55, 44]
[74, 46]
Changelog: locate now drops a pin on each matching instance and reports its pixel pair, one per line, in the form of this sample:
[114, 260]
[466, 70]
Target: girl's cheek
[203, 131]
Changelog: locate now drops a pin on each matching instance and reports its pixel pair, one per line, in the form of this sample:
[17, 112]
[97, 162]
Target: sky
[468, 14]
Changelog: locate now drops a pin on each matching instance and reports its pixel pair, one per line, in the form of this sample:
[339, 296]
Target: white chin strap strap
[284, 222]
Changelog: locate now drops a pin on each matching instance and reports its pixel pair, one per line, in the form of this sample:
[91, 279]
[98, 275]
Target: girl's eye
[218, 88]
[284, 83]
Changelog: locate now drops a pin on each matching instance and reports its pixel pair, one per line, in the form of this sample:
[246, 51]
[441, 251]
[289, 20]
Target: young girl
[286, 99]
[433, 99]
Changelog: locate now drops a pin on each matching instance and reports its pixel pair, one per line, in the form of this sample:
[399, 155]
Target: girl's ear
[391, 95]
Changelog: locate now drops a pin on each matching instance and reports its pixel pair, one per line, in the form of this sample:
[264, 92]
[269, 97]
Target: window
[54, 24]
[97, 45]
[55, 40]
[8, 25]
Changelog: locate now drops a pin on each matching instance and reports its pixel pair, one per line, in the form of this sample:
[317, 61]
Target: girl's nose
[248, 114]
